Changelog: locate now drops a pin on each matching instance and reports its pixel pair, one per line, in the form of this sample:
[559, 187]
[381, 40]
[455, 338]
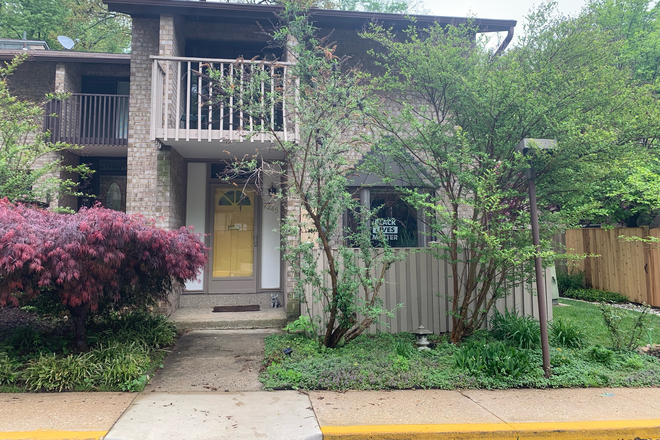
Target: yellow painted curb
[606, 430]
[52, 435]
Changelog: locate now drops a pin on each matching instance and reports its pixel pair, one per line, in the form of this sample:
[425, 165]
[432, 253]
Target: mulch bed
[11, 317]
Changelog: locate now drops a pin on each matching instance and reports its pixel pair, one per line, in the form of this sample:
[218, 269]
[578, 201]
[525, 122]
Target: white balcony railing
[187, 104]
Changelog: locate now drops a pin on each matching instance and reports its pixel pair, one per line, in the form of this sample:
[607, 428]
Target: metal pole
[540, 286]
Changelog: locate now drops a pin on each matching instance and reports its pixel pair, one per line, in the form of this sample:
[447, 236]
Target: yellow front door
[233, 233]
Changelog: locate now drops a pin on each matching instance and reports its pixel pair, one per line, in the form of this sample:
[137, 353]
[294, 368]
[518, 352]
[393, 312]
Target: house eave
[67, 57]
[249, 13]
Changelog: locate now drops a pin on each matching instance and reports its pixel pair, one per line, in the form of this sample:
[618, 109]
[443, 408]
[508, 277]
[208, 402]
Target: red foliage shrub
[91, 258]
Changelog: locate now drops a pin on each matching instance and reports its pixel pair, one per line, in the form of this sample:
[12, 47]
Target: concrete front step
[194, 318]
[237, 299]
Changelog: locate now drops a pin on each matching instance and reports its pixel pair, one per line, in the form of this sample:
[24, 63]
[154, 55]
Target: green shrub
[25, 339]
[564, 333]
[8, 370]
[595, 295]
[106, 367]
[121, 366]
[303, 325]
[404, 349]
[559, 357]
[135, 326]
[494, 359]
[574, 279]
[521, 331]
[600, 354]
[624, 336]
[46, 304]
[50, 373]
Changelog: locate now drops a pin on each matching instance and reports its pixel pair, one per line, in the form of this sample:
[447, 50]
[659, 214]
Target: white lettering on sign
[387, 227]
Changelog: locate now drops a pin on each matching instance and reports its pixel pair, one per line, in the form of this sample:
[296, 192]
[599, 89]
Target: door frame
[238, 284]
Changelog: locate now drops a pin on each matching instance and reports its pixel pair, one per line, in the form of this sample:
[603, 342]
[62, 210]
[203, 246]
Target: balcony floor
[198, 146]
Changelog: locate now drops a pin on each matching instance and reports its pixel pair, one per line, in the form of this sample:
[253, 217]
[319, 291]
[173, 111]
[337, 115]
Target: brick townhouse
[157, 149]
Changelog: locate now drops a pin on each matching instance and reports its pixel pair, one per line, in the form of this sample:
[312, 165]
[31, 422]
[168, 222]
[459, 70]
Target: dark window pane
[394, 218]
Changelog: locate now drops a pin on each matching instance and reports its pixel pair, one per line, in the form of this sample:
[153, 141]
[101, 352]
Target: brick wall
[178, 180]
[64, 158]
[156, 176]
[32, 80]
[68, 201]
[142, 157]
[292, 209]
[68, 78]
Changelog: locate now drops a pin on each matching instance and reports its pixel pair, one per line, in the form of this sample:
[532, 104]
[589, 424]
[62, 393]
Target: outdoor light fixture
[524, 147]
[420, 338]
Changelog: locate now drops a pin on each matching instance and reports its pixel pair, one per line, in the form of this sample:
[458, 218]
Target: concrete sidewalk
[281, 415]
[592, 413]
[54, 416]
[573, 414]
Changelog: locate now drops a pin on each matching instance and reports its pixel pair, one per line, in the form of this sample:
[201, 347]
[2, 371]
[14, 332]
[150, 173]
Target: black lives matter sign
[387, 227]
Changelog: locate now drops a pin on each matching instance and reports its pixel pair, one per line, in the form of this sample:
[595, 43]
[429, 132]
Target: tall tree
[635, 24]
[88, 21]
[341, 270]
[464, 111]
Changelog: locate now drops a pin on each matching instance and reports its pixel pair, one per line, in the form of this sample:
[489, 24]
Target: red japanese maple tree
[95, 257]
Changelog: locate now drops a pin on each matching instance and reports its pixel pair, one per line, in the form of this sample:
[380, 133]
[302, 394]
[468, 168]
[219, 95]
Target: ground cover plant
[595, 295]
[125, 349]
[507, 357]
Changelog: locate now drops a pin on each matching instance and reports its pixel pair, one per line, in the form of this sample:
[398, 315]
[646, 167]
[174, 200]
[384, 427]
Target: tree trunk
[78, 317]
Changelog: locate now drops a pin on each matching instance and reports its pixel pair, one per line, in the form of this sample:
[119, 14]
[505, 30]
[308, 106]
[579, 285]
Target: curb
[605, 430]
[52, 435]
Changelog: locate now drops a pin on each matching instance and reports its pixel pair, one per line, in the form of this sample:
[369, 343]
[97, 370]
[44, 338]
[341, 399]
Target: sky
[504, 9]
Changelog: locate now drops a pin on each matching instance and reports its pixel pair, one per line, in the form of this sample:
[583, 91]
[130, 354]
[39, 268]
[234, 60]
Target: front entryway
[234, 240]
[241, 228]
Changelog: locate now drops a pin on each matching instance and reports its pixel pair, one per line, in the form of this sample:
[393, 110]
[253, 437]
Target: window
[395, 219]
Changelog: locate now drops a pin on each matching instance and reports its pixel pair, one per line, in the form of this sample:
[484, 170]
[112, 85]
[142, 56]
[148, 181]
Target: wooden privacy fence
[629, 268]
[423, 284]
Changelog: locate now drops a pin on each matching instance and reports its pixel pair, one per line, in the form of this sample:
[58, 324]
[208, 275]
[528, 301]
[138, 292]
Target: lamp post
[523, 147]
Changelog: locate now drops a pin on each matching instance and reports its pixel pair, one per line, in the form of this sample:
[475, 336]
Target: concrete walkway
[213, 360]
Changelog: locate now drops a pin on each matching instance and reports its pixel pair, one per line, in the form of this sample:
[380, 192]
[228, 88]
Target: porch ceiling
[103, 150]
[224, 150]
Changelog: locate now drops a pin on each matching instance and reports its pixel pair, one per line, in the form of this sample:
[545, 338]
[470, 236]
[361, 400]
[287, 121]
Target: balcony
[88, 119]
[188, 106]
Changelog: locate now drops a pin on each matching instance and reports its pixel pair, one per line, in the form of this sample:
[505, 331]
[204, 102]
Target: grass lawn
[487, 360]
[590, 319]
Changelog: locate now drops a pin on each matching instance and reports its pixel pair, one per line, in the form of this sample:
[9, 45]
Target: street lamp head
[541, 144]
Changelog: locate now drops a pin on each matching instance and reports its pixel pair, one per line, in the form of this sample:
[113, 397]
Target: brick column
[152, 189]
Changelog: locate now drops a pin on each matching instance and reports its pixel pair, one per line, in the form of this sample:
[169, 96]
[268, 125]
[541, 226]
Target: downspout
[505, 43]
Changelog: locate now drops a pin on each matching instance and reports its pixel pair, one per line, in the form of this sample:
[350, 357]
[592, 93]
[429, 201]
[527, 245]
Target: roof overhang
[324, 18]
[68, 57]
